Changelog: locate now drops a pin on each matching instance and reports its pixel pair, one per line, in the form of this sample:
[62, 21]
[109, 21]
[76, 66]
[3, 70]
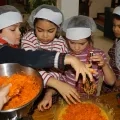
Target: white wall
[68, 7]
[98, 6]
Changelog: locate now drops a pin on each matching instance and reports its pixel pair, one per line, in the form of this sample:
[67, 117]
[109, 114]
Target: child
[9, 40]
[78, 35]
[114, 52]
[46, 21]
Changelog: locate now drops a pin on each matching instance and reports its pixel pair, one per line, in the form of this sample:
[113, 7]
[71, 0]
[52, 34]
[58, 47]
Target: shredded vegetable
[83, 111]
[24, 88]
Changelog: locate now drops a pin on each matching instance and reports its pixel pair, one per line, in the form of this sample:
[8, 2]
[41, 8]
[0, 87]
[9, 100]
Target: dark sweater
[35, 59]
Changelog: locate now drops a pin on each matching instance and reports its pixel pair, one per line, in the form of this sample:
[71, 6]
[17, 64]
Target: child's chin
[79, 52]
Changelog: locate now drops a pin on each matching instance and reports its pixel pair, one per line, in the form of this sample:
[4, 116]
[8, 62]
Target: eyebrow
[48, 29]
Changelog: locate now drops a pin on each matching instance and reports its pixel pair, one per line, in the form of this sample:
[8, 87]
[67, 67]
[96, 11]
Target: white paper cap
[78, 33]
[117, 10]
[10, 18]
[50, 15]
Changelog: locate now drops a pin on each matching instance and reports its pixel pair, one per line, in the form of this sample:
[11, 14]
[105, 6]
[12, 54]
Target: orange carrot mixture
[24, 88]
[83, 111]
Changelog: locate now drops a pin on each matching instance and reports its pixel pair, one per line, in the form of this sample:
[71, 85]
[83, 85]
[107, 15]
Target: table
[112, 101]
[107, 98]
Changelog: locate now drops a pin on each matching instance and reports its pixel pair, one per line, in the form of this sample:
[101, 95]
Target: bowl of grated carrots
[85, 110]
[27, 85]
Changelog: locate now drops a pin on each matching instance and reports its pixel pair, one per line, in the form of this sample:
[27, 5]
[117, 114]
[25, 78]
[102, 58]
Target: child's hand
[99, 59]
[4, 90]
[79, 67]
[46, 103]
[68, 92]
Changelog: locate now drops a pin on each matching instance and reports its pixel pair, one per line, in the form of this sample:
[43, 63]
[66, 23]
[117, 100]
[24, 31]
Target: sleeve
[29, 41]
[47, 75]
[64, 47]
[35, 59]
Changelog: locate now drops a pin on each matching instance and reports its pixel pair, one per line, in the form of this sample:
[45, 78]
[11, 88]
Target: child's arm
[109, 75]
[68, 92]
[43, 59]
[46, 102]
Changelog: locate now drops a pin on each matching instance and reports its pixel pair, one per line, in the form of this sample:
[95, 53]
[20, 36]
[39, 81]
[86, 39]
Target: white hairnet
[35, 11]
[9, 15]
[117, 10]
[79, 21]
[7, 8]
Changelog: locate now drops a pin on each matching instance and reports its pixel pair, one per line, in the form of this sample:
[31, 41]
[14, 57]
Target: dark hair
[58, 33]
[89, 39]
[116, 16]
[1, 31]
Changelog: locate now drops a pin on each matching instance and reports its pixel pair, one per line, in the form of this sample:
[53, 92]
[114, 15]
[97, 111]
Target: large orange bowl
[106, 111]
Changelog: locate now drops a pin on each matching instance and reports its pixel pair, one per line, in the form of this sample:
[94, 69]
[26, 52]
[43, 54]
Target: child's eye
[12, 29]
[39, 30]
[82, 43]
[51, 31]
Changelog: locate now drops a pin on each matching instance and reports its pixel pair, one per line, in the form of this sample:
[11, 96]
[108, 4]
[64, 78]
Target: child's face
[116, 28]
[78, 46]
[12, 33]
[45, 31]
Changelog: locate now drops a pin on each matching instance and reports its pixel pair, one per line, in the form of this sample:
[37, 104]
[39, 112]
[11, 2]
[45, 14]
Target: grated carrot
[83, 111]
[24, 88]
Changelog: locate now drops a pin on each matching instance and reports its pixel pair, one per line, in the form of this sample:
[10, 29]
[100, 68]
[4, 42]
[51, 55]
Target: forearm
[109, 75]
[50, 91]
[54, 83]
[35, 59]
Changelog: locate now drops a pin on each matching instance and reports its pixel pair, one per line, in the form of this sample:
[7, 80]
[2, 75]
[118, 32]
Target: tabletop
[106, 98]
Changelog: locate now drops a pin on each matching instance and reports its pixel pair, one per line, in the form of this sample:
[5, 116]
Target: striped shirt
[30, 42]
[69, 76]
[112, 61]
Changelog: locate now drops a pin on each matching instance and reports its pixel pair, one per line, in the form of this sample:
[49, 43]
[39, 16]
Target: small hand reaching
[4, 90]
[69, 93]
[79, 67]
[46, 103]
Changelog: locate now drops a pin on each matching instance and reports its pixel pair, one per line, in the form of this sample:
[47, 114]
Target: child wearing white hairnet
[10, 19]
[46, 21]
[114, 51]
[78, 36]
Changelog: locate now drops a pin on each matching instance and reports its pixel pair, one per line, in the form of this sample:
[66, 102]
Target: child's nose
[77, 47]
[45, 34]
[116, 28]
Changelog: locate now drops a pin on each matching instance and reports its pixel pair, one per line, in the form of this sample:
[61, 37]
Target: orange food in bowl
[24, 88]
[83, 111]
